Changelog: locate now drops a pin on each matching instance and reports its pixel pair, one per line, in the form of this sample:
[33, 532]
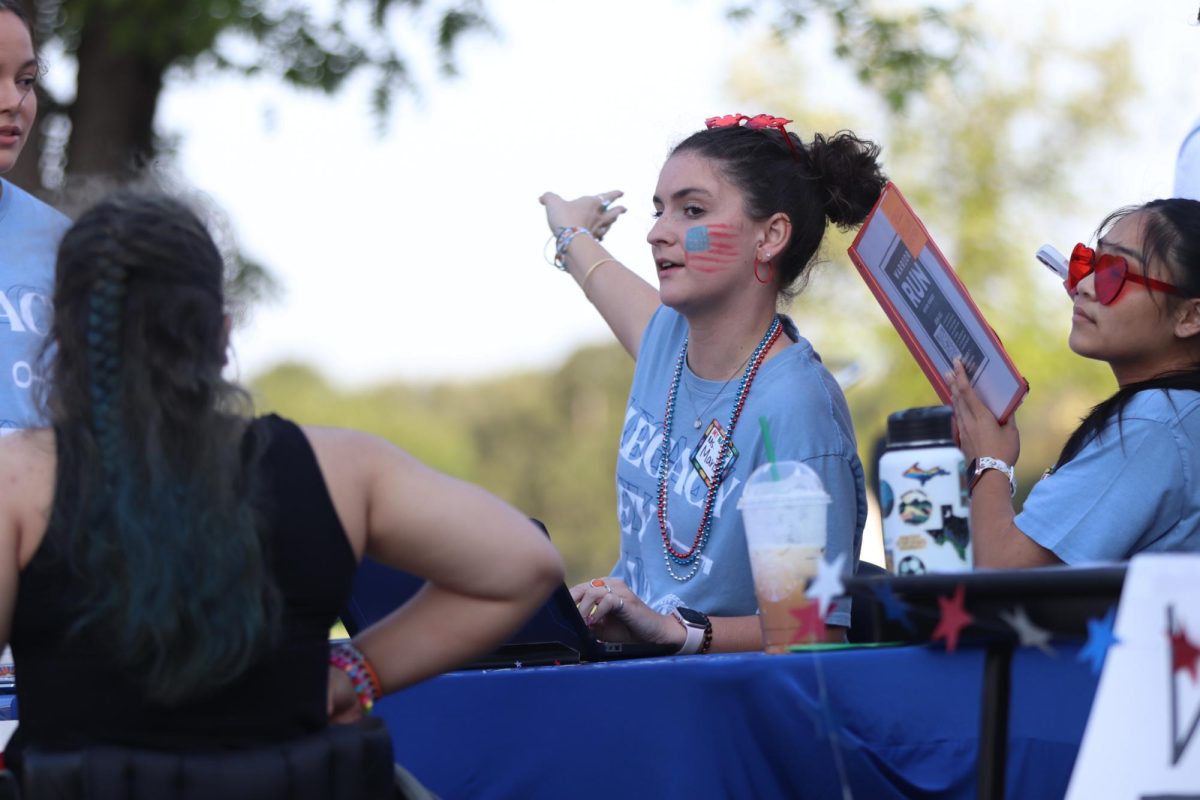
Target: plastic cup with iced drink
[783, 508]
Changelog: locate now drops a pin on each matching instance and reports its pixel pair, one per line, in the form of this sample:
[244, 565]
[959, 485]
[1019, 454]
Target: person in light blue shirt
[792, 392]
[741, 208]
[1187, 164]
[29, 231]
[1128, 478]
[29, 234]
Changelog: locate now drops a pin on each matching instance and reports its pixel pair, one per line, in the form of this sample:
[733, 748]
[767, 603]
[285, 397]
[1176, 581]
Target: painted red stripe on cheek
[700, 258]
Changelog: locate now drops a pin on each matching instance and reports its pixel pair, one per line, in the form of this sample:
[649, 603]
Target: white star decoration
[828, 583]
[1029, 634]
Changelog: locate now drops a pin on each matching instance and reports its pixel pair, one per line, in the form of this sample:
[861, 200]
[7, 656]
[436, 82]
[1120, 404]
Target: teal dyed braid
[156, 501]
[104, 362]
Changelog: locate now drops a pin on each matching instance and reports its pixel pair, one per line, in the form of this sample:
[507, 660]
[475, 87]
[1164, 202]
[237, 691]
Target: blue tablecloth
[882, 723]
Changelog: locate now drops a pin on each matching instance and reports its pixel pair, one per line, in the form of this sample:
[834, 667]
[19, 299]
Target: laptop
[556, 634]
[1059, 599]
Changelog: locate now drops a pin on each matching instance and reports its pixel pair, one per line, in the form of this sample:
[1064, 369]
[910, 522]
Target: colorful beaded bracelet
[349, 659]
[563, 239]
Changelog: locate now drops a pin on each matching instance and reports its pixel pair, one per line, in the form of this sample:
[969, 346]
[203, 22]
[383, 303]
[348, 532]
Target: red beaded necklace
[690, 559]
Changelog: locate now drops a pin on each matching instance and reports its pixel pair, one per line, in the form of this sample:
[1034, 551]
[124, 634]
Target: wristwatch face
[693, 617]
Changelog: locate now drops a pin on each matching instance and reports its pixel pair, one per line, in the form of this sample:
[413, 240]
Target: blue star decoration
[893, 608]
[1100, 638]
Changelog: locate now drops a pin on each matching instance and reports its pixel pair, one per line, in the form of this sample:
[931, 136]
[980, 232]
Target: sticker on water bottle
[923, 475]
[915, 507]
[709, 453]
[887, 498]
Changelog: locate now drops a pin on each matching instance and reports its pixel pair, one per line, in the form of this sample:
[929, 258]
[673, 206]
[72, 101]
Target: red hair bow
[727, 121]
[756, 122]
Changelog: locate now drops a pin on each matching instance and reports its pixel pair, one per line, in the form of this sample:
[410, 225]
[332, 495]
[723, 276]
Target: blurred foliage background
[981, 159]
[544, 441]
[985, 156]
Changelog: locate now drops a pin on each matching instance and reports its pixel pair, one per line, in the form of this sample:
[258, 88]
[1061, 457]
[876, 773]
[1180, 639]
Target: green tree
[895, 52]
[124, 51]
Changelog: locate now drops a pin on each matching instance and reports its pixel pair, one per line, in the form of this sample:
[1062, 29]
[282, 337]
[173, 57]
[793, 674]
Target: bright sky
[416, 253]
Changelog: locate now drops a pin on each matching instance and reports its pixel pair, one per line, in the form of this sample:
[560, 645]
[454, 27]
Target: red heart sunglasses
[1111, 273]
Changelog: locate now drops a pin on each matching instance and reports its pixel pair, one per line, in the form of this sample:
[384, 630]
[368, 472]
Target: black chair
[862, 623]
[342, 762]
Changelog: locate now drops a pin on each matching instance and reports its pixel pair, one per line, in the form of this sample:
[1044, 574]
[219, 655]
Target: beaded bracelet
[349, 659]
[564, 238]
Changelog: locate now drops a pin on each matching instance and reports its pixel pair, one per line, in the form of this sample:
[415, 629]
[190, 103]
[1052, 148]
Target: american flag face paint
[709, 248]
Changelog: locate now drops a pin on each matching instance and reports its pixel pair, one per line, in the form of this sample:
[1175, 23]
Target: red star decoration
[1184, 654]
[954, 619]
[811, 627]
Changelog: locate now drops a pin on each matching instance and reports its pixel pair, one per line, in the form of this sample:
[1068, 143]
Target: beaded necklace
[690, 560]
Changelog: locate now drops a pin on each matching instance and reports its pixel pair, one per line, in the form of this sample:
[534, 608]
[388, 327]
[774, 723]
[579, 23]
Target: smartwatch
[698, 628]
[980, 465]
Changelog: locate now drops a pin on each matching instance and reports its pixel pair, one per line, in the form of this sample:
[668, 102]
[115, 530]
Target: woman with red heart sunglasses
[1128, 478]
[739, 213]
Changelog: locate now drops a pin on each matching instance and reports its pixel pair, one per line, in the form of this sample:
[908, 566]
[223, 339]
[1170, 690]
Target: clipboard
[930, 307]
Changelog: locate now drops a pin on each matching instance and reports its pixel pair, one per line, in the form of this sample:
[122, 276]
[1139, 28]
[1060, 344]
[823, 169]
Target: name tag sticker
[707, 454]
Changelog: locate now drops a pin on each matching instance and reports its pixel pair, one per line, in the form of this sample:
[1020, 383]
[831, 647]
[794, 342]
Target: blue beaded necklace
[690, 560]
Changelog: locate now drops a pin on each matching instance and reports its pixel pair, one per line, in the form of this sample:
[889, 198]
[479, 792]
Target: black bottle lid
[924, 425]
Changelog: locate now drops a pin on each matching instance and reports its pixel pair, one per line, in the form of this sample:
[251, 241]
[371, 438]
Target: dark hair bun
[848, 170]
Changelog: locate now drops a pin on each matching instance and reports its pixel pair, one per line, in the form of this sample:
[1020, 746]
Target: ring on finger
[604, 204]
[598, 582]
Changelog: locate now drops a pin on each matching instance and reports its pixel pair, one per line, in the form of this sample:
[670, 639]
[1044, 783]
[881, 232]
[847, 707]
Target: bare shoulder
[352, 463]
[27, 451]
[27, 467]
[346, 448]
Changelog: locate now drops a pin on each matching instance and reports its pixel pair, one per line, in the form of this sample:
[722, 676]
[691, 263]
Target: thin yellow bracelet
[590, 270]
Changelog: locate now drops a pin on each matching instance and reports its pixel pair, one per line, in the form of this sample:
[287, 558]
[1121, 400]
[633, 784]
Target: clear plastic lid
[790, 481]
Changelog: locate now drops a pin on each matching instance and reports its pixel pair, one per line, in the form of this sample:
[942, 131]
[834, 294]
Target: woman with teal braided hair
[170, 566]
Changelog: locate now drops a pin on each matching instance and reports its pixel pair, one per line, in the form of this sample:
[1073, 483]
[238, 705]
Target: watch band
[707, 643]
[698, 635]
[983, 464]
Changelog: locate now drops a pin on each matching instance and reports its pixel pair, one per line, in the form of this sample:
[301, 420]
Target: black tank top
[70, 694]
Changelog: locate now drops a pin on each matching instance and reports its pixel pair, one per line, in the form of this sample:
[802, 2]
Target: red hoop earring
[770, 266]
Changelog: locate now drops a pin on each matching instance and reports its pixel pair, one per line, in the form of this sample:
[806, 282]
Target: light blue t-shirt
[1129, 490]
[808, 420]
[1187, 165]
[29, 234]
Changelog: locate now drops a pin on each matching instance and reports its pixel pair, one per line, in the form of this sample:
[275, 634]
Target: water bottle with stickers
[923, 494]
